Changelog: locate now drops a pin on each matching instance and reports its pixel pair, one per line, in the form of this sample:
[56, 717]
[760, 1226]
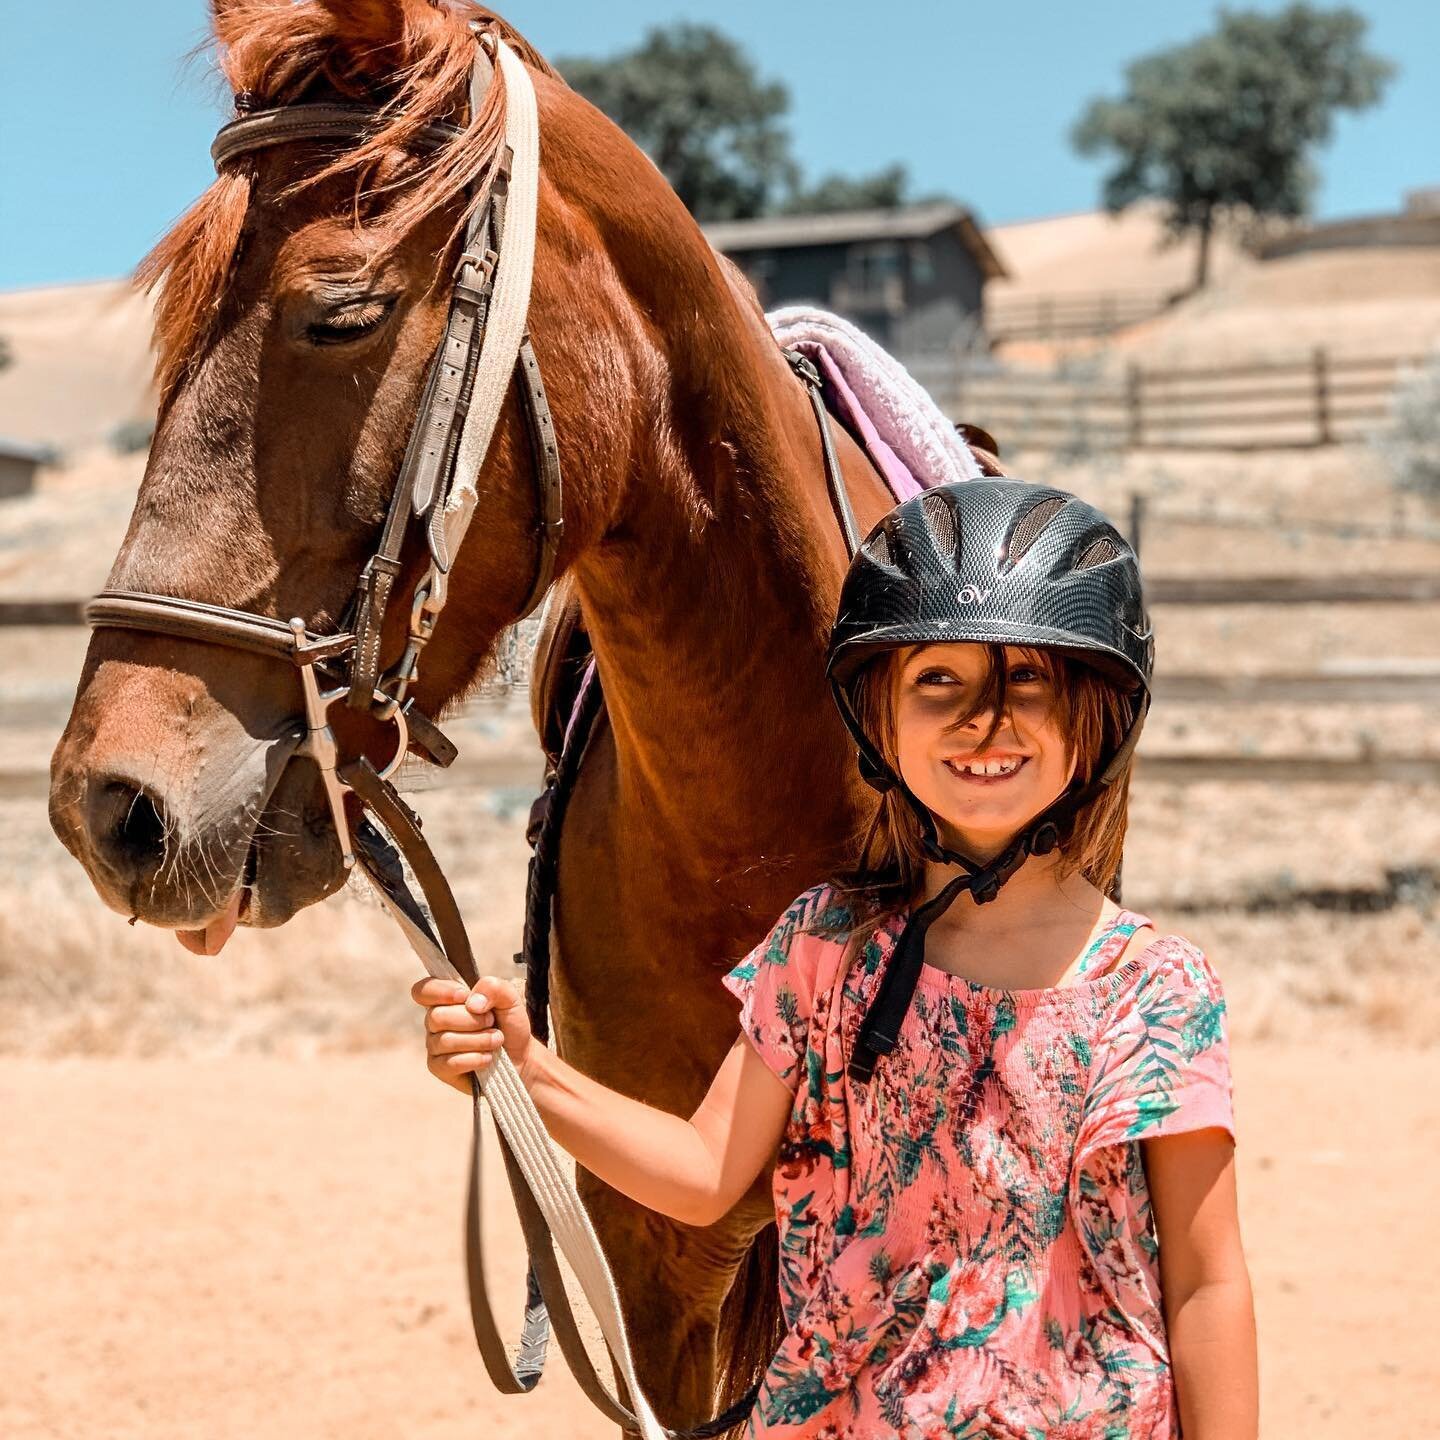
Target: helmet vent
[1032, 523]
[1101, 552]
[878, 548]
[941, 519]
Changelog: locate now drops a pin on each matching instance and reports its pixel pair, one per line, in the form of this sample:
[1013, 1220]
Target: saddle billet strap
[805, 368]
[213, 624]
[441, 942]
[287, 123]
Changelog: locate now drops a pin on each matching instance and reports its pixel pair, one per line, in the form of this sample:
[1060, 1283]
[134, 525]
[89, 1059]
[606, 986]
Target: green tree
[1229, 120]
[884, 190]
[690, 97]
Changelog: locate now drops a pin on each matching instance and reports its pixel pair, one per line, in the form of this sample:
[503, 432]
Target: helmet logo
[972, 595]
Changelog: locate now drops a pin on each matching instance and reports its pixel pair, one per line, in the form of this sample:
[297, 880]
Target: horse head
[301, 301]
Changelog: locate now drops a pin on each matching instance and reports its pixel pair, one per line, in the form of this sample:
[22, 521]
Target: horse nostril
[129, 826]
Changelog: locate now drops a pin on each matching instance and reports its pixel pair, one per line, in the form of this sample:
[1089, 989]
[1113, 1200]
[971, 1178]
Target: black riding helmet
[997, 562]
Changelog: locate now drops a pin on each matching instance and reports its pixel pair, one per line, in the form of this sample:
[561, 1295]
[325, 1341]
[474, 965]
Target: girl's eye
[1025, 674]
[350, 322]
[935, 677]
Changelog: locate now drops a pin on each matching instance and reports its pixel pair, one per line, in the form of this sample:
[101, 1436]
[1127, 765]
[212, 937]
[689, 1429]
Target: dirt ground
[229, 1248]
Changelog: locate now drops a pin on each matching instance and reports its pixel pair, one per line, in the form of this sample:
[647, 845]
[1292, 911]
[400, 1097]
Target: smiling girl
[995, 1105]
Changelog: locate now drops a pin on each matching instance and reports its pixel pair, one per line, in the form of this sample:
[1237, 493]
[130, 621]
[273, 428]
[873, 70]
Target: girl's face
[980, 798]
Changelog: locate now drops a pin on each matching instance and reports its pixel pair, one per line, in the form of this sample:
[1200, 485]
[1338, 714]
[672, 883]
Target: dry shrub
[75, 980]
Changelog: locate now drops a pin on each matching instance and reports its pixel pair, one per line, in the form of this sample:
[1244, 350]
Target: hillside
[80, 363]
[1091, 251]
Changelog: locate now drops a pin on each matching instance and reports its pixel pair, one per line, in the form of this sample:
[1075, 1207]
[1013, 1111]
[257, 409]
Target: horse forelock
[409, 58]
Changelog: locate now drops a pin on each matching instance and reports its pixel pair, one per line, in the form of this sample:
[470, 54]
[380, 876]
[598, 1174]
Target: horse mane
[409, 58]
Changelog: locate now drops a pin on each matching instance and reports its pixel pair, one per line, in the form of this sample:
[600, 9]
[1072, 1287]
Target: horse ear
[983, 447]
[368, 28]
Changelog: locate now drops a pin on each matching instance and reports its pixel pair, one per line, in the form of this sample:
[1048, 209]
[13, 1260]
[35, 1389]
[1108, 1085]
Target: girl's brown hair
[1093, 714]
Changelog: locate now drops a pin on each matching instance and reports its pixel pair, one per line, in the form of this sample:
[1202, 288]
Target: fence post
[1137, 520]
[1133, 398]
[1323, 433]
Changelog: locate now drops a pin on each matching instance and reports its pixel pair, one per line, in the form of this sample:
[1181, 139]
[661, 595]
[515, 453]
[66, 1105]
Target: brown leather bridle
[350, 659]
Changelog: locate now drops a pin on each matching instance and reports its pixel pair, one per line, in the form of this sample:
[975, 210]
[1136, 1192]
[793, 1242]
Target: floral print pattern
[967, 1250]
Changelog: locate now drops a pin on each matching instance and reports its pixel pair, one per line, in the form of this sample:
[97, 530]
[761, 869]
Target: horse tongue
[211, 940]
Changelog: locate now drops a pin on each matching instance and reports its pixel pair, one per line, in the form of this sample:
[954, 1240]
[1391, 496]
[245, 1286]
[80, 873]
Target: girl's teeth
[990, 767]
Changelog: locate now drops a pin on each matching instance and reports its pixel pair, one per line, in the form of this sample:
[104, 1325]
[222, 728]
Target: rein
[485, 345]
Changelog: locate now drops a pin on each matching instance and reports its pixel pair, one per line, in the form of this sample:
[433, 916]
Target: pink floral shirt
[966, 1244]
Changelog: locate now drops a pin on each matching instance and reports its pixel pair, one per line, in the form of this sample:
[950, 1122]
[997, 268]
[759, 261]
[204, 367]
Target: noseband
[484, 345]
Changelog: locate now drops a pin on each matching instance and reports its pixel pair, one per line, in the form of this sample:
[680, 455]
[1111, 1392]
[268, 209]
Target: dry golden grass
[75, 980]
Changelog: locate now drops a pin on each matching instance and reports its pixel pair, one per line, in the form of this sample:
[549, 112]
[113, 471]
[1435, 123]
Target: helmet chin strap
[880, 1030]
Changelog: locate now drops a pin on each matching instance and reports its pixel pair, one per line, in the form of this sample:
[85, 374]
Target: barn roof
[847, 227]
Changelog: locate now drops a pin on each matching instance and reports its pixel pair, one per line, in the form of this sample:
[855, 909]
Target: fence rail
[1317, 400]
[1061, 317]
[1385, 587]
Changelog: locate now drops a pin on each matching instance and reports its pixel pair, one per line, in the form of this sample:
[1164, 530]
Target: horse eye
[348, 323]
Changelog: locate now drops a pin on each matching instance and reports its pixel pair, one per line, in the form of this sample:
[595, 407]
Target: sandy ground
[251, 1246]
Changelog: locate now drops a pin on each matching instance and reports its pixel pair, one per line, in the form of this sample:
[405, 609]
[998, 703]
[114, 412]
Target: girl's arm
[693, 1170]
[1209, 1312]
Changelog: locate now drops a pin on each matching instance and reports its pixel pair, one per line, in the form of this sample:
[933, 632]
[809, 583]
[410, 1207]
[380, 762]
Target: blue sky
[100, 153]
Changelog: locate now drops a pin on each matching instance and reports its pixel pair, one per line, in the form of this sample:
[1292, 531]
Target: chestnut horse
[300, 301]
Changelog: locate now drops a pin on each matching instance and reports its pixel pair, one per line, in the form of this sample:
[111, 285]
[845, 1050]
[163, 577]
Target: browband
[319, 121]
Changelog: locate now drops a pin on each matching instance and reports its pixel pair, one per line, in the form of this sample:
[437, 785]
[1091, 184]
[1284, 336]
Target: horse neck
[709, 607]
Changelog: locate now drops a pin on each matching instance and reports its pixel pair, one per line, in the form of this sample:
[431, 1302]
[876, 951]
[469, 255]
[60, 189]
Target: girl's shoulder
[824, 912]
[1169, 973]
[816, 914]
[1142, 946]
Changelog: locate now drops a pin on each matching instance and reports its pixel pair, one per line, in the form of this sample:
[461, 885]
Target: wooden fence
[1072, 317]
[1384, 587]
[1318, 400]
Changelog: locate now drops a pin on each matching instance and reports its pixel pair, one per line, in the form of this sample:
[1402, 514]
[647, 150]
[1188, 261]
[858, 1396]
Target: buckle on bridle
[485, 264]
[318, 744]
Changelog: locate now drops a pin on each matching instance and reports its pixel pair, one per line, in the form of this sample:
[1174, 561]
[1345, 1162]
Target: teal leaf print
[1204, 1028]
[1150, 1110]
[957, 1014]
[797, 1399]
